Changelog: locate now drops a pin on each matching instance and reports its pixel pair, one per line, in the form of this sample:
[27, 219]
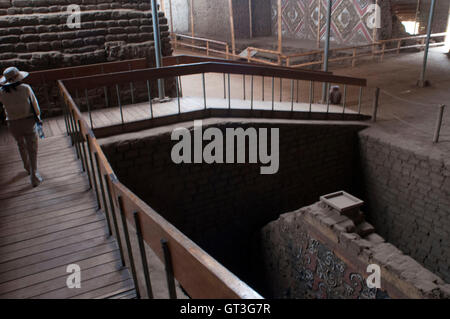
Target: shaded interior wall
[318, 253]
[261, 16]
[408, 198]
[349, 20]
[440, 19]
[180, 14]
[212, 18]
[223, 206]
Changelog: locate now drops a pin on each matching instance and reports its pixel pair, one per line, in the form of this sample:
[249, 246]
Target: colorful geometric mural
[349, 23]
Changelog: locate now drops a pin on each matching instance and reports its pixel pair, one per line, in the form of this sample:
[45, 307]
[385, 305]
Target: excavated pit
[224, 207]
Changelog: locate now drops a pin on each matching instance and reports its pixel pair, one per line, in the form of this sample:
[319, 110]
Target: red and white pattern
[348, 26]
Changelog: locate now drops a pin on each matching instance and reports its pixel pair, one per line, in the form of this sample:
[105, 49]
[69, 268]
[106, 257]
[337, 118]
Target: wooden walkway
[44, 229]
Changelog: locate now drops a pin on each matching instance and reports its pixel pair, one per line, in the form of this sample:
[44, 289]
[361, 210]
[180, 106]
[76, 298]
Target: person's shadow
[14, 179]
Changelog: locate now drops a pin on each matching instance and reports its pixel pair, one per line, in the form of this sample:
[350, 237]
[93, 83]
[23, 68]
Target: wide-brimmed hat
[13, 75]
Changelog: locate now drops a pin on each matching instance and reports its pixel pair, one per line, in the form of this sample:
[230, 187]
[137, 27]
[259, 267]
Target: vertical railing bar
[204, 89]
[88, 172]
[243, 82]
[181, 86]
[178, 96]
[102, 191]
[149, 92]
[224, 87]
[75, 135]
[169, 269]
[130, 252]
[105, 91]
[360, 99]
[120, 103]
[298, 91]
[114, 218]
[328, 97]
[69, 121]
[131, 86]
[94, 179]
[229, 91]
[281, 89]
[251, 103]
[437, 129]
[311, 95]
[345, 99]
[80, 143]
[263, 89]
[292, 95]
[89, 108]
[64, 111]
[148, 283]
[273, 93]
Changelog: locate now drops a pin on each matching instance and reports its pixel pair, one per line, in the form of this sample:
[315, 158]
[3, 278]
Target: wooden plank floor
[44, 229]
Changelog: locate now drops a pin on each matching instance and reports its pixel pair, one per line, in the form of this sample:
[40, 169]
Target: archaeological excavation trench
[271, 231]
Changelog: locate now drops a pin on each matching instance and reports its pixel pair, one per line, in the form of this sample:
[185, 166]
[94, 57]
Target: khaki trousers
[24, 132]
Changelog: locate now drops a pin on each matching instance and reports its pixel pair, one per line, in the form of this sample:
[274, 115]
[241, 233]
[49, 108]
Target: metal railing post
[229, 91]
[88, 107]
[148, 283]
[224, 87]
[75, 135]
[128, 243]
[71, 130]
[113, 214]
[204, 89]
[281, 90]
[81, 146]
[311, 95]
[119, 102]
[243, 82]
[292, 95]
[149, 92]
[178, 97]
[344, 99]
[169, 269]
[273, 93]
[360, 99]
[102, 191]
[251, 101]
[94, 179]
[263, 89]
[437, 131]
[375, 104]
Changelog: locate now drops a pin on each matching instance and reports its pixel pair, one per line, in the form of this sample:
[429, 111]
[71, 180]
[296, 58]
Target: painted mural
[350, 20]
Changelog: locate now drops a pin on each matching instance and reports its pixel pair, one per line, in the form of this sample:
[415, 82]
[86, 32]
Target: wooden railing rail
[206, 47]
[199, 274]
[354, 49]
[46, 76]
[207, 67]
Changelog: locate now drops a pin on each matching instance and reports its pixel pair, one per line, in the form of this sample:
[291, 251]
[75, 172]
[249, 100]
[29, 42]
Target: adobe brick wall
[315, 252]
[222, 207]
[34, 36]
[407, 191]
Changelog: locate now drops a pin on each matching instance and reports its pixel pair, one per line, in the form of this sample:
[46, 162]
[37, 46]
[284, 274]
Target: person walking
[22, 114]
